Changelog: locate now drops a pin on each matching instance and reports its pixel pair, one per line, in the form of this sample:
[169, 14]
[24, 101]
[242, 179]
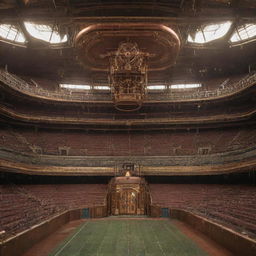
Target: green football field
[117, 237]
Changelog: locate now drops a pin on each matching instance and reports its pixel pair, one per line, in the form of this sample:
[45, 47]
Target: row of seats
[102, 144]
[231, 205]
[21, 207]
[24, 206]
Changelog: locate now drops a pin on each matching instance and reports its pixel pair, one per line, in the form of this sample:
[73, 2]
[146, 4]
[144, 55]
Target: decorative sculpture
[128, 76]
[150, 49]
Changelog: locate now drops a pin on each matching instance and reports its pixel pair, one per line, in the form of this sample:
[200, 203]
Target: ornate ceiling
[99, 18]
[95, 42]
[161, 28]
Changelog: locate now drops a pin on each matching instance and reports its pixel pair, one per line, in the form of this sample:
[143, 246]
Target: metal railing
[22, 86]
[143, 160]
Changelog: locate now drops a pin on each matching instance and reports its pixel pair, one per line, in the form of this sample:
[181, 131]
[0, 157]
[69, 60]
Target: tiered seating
[42, 83]
[13, 141]
[20, 210]
[221, 83]
[233, 206]
[70, 196]
[21, 207]
[122, 144]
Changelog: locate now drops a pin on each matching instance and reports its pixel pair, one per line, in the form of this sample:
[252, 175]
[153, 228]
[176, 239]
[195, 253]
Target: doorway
[128, 202]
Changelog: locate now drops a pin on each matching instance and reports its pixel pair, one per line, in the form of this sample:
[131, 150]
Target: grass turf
[111, 237]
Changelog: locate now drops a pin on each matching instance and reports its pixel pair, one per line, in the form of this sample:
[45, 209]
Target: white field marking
[58, 252]
[143, 241]
[157, 241]
[100, 246]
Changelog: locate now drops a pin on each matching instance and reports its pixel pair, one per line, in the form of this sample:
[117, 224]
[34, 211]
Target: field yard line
[101, 242]
[157, 241]
[58, 252]
[143, 241]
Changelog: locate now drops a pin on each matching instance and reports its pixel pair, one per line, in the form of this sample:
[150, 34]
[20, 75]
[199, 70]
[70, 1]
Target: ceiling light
[185, 86]
[156, 87]
[75, 86]
[101, 87]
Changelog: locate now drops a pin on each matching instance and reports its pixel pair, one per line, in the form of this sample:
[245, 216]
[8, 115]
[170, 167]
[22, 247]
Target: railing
[229, 89]
[111, 161]
[22, 86]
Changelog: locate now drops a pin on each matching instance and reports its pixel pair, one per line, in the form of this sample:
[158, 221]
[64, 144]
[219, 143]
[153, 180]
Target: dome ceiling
[96, 42]
[97, 27]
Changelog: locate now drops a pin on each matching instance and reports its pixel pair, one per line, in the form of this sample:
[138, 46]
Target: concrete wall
[17, 245]
[236, 243]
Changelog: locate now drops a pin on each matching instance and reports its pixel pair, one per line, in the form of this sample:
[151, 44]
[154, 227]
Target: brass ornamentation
[128, 195]
[128, 76]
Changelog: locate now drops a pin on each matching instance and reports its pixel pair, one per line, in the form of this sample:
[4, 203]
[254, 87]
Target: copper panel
[95, 42]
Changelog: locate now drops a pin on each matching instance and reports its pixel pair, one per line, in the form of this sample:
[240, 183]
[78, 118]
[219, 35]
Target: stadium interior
[127, 127]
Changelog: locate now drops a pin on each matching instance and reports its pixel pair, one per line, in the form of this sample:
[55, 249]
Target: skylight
[243, 33]
[156, 87]
[76, 86]
[12, 33]
[185, 86]
[45, 32]
[210, 32]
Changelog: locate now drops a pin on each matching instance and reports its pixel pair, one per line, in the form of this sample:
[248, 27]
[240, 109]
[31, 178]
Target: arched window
[45, 32]
[11, 33]
[243, 33]
[209, 33]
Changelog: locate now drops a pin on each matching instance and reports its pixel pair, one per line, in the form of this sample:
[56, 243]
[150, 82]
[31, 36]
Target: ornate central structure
[128, 195]
[151, 50]
[128, 76]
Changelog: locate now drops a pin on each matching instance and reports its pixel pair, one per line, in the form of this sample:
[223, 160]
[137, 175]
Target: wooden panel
[155, 211]
[98, 212]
